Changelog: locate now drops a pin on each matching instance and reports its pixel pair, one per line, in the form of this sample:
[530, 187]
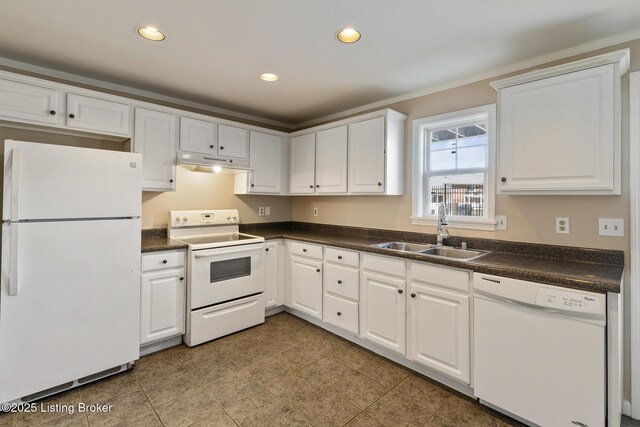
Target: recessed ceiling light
[151, 33]
[216, 169]
[269, 77]
[348, 35]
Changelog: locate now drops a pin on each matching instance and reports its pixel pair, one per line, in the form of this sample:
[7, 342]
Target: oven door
[224, 274]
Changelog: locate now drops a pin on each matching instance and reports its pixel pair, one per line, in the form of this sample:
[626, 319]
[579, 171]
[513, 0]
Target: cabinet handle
[266, 249]
[311, 186]
[171, 180]
[379, 184]
[211, 146]
[318, 270]
[221, 147]
[413, 295]
[72, 116]
[52, 112]
[503, 179]
[339, 256]
[317, 186]
[400, 291]
[339, 313]
[253, 185]
[339, 282]
[230, 161]
[164, 261]
[304, 250]
[182, 278]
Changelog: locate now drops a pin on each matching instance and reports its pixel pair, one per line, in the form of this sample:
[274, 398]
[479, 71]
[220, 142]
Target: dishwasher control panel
[567, 300]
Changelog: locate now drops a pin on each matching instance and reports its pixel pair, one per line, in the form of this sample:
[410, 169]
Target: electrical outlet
[315, 211]
[501, 222]
[267, 210]
[562, 225]
[611, 227]
[261, 211]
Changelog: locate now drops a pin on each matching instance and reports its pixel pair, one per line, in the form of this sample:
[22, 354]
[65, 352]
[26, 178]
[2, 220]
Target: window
[454, 161]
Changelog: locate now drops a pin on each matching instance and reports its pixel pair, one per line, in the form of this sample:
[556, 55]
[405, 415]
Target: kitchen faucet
[442, 221]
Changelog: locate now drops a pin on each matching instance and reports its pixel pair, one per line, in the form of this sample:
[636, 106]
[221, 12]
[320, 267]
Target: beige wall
[203, 190]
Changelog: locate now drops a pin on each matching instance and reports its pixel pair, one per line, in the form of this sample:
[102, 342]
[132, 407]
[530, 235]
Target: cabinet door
[21, 101]
[303, 155]
[155, 137]
[162, 305]
[233, 143]
[266, 160]
[439, 330]
[382, 311]
[198, 136]
[98, 115]
[557, 134]
[331, 160]
[271, 273]
[306, 286]
[367, 156]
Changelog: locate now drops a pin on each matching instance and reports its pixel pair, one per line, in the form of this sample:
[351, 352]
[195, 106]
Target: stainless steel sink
[404, 246]
[447, 252]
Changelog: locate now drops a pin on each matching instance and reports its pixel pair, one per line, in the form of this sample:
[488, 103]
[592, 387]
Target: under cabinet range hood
[210, 160]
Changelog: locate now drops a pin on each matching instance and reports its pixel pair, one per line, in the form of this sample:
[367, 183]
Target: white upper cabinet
[303, 155]
[265, 155]
[29, 103]
[233, 144]
[367, 156]
[98, 115]
[559, 128]
[198, 136]
[331, 161]
[156, 136]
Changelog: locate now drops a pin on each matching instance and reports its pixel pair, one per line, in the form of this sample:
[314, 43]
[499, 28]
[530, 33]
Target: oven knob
[228, 218]
[235, 218]
[184, 218]
[177, 219]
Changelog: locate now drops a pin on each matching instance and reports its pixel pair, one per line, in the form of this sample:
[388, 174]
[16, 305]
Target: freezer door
[77, 307]
[43, 181]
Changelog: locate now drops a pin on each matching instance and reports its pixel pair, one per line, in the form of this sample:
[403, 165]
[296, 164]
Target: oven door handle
[225, 251]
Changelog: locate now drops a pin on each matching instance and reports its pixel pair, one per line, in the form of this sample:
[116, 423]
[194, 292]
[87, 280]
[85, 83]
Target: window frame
[421, 160]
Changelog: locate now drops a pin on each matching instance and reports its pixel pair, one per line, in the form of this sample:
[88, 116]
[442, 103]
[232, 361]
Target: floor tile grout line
[155, 411]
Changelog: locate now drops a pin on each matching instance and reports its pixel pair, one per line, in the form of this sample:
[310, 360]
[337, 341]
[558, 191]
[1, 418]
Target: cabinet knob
[503, 179]
[379, 184]
[253, 185]
[339, 313]
[413, 295]
[230, 161]
[211, 146]
[182, 278]
[171, 180]
[311, 186]
[164, 261]
[318, 270]
[339, 256]
[304, 250]
[317, 186]
[339, 282]
[221, 147]
[400, 291]
[72, 116]
[52, 112]
[266, 249]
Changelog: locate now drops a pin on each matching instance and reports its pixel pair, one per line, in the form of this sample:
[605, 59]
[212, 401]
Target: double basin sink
[432, 250]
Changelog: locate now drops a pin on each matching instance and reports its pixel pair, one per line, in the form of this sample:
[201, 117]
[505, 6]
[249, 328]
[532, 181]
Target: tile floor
[283, 373]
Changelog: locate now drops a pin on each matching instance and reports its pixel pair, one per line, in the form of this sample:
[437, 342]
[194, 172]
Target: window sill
[482, 224]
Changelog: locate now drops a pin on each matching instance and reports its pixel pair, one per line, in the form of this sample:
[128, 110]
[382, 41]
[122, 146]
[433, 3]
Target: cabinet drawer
[306, 250]
[162, 260]
[342, 281]
[341, 312]
[384, 265]
[445, 277]
[342, 256]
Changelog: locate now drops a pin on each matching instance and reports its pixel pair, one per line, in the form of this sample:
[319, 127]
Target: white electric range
[225, 273]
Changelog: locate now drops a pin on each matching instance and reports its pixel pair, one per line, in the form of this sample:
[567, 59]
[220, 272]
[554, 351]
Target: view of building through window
[457, 169]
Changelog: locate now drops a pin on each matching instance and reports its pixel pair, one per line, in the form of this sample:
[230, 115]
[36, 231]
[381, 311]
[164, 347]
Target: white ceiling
[215, 49]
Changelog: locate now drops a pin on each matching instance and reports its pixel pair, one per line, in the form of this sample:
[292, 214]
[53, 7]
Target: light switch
[267, 210]
[611, 227]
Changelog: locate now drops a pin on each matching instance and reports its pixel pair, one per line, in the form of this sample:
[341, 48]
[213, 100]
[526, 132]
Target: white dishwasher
[540, 351]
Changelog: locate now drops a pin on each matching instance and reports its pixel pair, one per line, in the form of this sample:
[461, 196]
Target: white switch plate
[562, 225]
[501, 222]
[315, 211]
[261, 211]
[267, 210]
[611, 227]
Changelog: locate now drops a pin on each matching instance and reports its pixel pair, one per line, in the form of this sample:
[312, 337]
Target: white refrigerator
[70, 288]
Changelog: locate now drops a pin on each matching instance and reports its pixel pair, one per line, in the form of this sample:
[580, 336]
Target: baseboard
[626, 408]
[160, 345]
[274, 310]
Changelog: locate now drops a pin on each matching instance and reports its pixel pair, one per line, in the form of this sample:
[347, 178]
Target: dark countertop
[578, 268]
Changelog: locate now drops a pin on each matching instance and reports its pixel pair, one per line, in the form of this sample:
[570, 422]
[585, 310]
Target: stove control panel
[199, 218]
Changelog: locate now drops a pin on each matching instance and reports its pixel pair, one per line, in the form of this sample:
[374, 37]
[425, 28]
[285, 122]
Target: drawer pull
[400, 291]
[182, 278]
[164, 261]
[72, 116]
[318, 270]
[413, 295]
[266, 249]
[339, 282]
[339, 313]
[339, 256]
[304, 250]
[52, 112]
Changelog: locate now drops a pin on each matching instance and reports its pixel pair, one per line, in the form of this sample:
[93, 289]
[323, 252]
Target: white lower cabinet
[382, 310]
[162, 299]
[271, 273]
[306, 285]
[340, 312]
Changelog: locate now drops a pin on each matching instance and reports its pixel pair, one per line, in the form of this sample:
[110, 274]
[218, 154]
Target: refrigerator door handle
[12, 274]
[16, 157]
